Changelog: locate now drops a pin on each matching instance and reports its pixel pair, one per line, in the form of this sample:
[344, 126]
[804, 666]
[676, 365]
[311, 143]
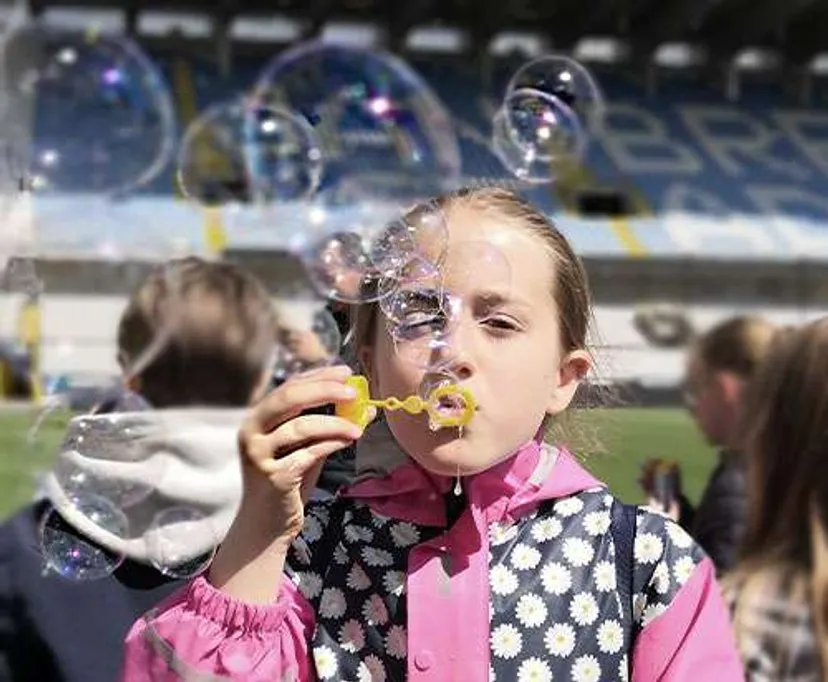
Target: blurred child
[461, 554]
[720, 363]
[218, 329]
[779, 589]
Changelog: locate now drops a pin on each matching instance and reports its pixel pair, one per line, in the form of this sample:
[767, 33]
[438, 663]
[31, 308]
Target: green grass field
[613, 442]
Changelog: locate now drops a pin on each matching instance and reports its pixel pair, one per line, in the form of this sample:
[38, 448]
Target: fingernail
[350, 391]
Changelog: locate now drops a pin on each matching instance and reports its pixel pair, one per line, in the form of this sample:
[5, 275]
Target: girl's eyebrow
[492, 298]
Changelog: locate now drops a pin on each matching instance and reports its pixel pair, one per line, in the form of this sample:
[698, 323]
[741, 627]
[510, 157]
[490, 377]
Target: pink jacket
[520, 587]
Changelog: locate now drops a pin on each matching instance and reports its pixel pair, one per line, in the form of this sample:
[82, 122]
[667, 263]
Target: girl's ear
[574, 368]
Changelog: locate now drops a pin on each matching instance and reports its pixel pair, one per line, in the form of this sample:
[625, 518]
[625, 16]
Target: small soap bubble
[169, 536]
[537, 137]
[303, 347]
[73, 556]
[569, 82]
[340, 268]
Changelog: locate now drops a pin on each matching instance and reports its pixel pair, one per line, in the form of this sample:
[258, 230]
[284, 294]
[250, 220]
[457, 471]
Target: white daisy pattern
[531, 611]
[648, 548]
[502, 580]
[560, 640]
[597, 523]
[534, 670]
[556, 578]
[554, 611]
[524, 557]
[404, 534]
[578, 551]
[547, 529]
[610, 636]
[326, 665]
[569, 506]
[586, 669]
[394, 582]
[506, 641]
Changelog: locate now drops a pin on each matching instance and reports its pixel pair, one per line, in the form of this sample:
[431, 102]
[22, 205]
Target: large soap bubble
[243, 152]
[384, 134]
[87, 112]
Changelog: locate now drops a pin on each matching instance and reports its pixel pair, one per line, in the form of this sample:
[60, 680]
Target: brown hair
[787, 448]
[215, 329]
[570, 288]
[736, 345]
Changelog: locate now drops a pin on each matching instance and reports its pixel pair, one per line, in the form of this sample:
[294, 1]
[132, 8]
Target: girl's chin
[452, 458]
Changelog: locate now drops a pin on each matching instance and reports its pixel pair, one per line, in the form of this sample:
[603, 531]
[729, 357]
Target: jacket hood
[156, 486]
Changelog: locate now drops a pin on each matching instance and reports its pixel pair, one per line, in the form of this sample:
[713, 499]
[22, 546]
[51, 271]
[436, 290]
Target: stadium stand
[696, 201]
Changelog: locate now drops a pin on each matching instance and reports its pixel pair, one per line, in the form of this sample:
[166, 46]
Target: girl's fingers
[291, 470]
[290, 436]
[293, 398]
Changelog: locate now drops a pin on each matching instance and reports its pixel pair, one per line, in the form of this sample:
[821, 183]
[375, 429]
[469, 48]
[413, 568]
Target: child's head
[786, 429]
[519, 343]
[719, 364]
[219, 330]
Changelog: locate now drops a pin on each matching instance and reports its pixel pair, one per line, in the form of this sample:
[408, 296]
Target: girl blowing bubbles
[400, 577]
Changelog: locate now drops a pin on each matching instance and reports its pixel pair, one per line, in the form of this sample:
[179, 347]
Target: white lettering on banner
[806, 237]
[796, 123]
[736, 153]
[627, 148]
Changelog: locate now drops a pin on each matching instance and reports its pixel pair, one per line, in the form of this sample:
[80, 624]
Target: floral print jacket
[521, 585]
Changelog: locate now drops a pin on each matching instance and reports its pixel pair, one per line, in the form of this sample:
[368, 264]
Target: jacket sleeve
[683, 626]
[202, 634]
[720, 518]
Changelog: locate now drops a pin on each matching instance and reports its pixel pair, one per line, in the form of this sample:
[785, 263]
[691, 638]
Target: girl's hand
[284, 449]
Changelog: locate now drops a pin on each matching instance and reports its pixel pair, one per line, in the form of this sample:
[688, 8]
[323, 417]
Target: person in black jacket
[216, 359]
[720, 363]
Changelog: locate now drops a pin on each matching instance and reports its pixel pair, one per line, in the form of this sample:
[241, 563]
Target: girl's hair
[736, 345]
[569, 288]
[786, 430]
[215, 330]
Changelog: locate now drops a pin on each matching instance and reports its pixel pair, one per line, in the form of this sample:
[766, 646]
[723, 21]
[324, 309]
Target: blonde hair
[569, 288]
[215, 327]
[786, 438]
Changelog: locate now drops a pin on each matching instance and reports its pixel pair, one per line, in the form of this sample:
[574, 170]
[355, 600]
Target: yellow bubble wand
[357, 411]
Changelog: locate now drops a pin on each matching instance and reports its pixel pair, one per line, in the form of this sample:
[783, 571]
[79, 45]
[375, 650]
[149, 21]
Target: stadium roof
[725, 40]
[725, 26]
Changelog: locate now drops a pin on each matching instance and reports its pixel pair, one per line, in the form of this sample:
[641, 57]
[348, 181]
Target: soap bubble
[340, 268]
[172, 530]
[86, 112]
[305, 345]
[73, 556]
[536, 136]
[92, 446]
[422, 235]
[384, 134]
[243, 152]
[569, 82]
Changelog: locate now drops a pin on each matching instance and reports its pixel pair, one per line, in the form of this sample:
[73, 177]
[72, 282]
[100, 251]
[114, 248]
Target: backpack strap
[622, 527]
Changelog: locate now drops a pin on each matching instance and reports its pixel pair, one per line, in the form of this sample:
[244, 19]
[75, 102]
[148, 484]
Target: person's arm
[245, 621]
[203, 631]
[684, 626]
[720, 519]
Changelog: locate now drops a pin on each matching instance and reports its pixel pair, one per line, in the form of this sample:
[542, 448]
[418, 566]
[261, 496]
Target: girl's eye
[502, 324]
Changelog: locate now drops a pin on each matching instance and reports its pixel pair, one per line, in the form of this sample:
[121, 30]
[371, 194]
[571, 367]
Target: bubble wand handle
[357, 410]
